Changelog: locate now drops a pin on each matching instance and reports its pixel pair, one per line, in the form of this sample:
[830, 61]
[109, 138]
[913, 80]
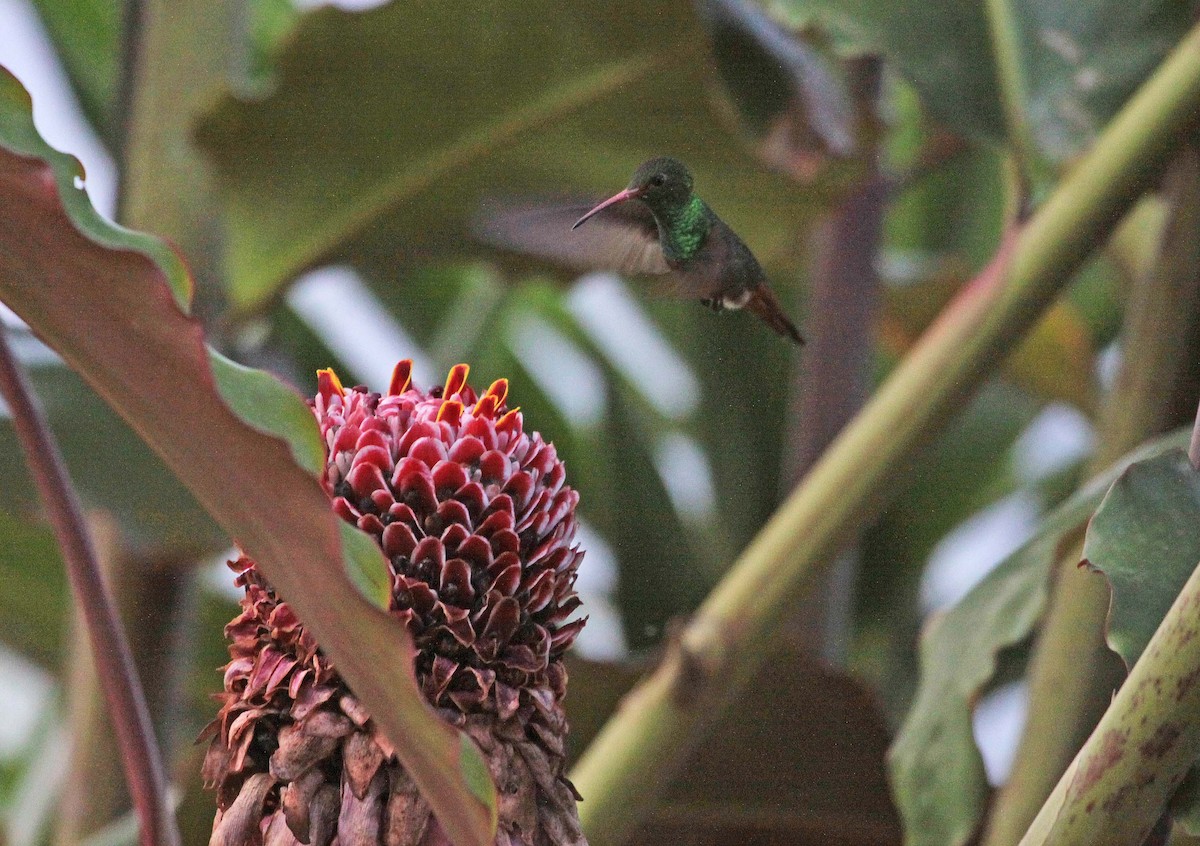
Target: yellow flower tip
[486, 407]
[401, 377]
[511, 420]
[329, 384]
[499, 390]
[450, 412]
[457, 379]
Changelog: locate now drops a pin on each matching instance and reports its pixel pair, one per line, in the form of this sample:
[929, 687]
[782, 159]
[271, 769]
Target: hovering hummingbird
[666, 231]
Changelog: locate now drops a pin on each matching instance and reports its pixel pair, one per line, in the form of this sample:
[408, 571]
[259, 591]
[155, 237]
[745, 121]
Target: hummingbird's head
[662, 183]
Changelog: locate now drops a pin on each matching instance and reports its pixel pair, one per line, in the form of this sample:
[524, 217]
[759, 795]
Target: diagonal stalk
[1013, 90]
[110, 649]
[724, 644]
[1073, 672]
[1118, 785]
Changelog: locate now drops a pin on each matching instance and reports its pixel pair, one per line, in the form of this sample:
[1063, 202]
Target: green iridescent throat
[684, 229]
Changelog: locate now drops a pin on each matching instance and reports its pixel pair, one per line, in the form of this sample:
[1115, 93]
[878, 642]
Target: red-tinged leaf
[112, 303]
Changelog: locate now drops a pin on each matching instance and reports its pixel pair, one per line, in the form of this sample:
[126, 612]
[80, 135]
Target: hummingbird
[657, 226]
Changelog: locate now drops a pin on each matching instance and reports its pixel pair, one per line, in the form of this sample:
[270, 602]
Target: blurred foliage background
[318, 169]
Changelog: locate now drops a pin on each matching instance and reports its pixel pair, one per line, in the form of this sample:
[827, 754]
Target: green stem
[724, 644]
[1073, 672]
[166, 188]
[1013, 91]
[1116, 788]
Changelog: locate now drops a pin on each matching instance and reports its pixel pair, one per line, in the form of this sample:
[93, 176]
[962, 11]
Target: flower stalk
[123, 693]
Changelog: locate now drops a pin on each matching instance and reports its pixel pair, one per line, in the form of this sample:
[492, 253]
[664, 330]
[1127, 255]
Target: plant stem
[166, 187]
[114, 662]
[1116, 788]
[725, 643]
[133, 20]
[834, 378]
[1013, 91]
[153, 595]
[1073, 672]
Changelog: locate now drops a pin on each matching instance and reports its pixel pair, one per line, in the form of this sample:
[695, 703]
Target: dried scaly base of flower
[478, 526]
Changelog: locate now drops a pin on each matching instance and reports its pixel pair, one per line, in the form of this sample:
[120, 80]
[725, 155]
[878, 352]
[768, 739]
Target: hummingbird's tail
[763, 303]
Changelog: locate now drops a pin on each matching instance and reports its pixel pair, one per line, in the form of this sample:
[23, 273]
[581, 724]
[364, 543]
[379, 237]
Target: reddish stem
[110, 649]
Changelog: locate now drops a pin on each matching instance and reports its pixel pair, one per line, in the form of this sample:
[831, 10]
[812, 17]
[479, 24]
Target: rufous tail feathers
[763, 303]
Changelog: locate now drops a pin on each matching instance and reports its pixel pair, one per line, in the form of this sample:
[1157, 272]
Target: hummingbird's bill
[627, 194]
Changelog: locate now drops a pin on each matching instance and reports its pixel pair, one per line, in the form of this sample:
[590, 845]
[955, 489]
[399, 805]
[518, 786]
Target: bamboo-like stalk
[1118, 785]
[719, 650]
[1073, 668]
[144, 772]
[1013, 91]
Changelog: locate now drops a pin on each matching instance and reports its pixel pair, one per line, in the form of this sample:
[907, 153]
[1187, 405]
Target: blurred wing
[622, 238]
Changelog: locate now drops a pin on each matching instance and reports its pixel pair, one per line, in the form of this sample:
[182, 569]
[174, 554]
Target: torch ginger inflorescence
[477, 525]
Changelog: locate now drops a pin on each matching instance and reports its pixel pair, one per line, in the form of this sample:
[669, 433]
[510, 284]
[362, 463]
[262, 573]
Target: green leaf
[781, 83]
[271, 407]
[270, 21]
[1080, 61]
[941, 46]
[110, 302]
[936, 768]
[87, 34]
[395, 123]
[1083, 60]
[155, 511]
[1144, 538]
[33, 621]
[967, 469]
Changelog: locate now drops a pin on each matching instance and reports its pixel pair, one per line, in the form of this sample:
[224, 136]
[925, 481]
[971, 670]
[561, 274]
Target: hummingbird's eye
[657, 180]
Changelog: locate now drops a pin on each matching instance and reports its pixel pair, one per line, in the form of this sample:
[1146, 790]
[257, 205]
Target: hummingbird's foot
[717, 304]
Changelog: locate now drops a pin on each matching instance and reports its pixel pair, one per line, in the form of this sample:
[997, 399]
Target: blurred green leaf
[967, 469]
[1056, 360]
[942, 47]
[112, 468]
[270, 22]
[956, 209]
[87, 34]
[1083, 60]
[307, 170]
[1080, 60]
[35, 598]
[791, 94]
[30, 799]
[936, 768]
[112, 302]
[1143, 538]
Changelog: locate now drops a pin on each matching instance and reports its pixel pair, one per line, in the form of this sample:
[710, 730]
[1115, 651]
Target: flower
[477, 524]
